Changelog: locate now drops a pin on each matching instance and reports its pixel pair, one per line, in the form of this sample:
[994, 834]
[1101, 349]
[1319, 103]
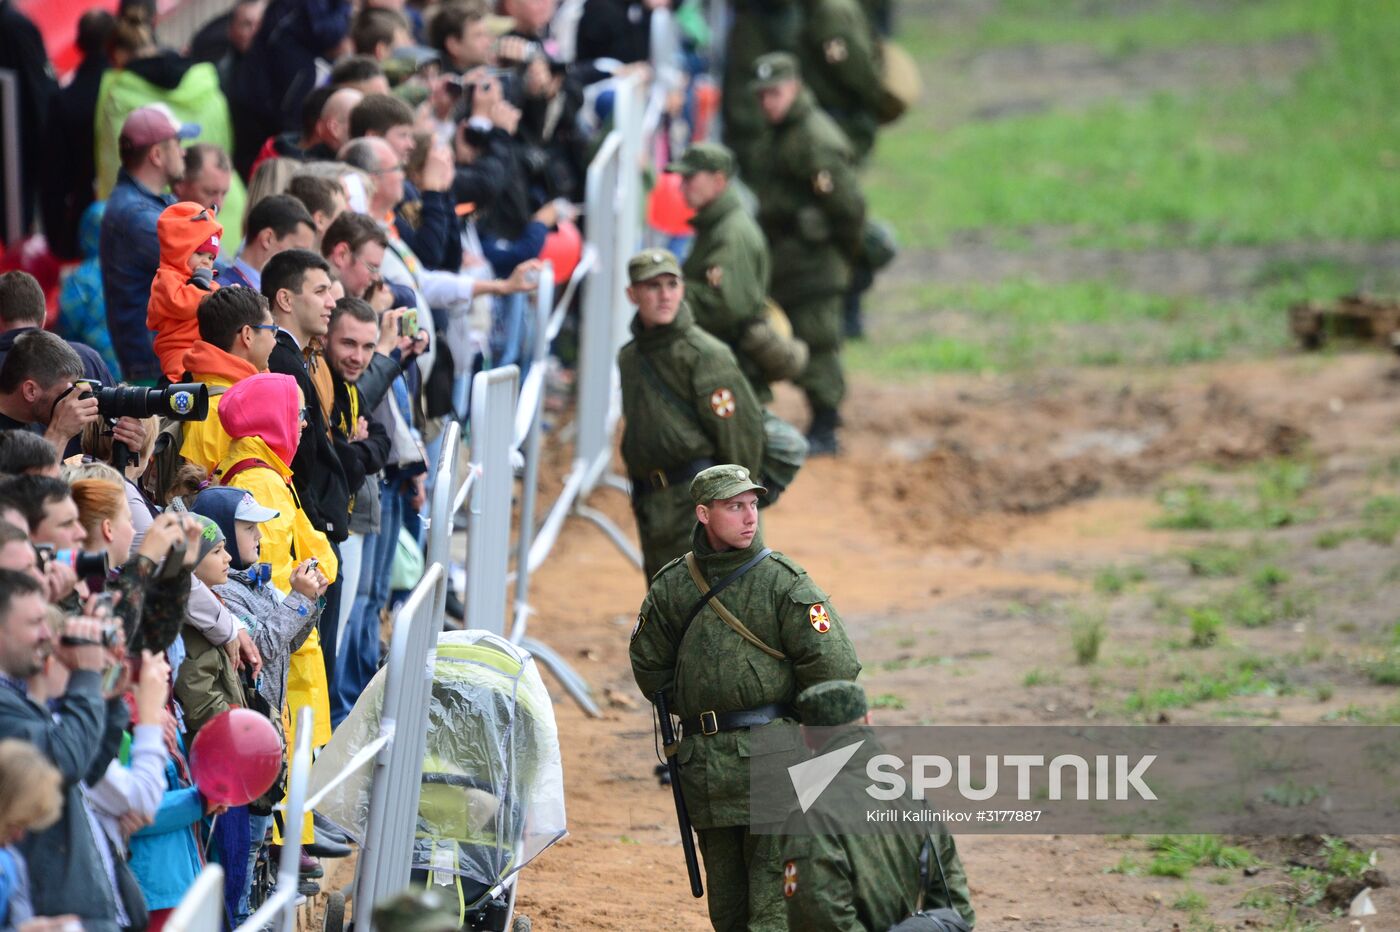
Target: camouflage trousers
[817, 322]
[743, 880]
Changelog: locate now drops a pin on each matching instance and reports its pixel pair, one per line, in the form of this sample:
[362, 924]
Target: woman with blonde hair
[31, 799]
[272, 177]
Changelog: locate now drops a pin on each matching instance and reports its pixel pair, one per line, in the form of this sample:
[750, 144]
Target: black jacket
[363, 458]
[317, 472]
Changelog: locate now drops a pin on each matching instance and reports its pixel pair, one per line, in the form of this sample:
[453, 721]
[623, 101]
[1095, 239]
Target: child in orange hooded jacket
[189, 243]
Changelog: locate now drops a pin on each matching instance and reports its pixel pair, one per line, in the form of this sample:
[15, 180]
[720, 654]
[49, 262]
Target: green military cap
[704, 157]
[719, 482]
[416, 911]
[834, 702]
[772, 69]
[650, 263]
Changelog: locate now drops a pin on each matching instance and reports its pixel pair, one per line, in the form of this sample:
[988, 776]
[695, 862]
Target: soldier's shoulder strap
[728, 617]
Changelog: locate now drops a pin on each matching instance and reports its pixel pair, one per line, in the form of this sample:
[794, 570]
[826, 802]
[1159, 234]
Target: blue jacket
[63, 857]
[130, 254]
[164, 854]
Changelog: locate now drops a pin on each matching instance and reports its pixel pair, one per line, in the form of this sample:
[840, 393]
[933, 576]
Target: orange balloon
[667, 210]
[564, 247]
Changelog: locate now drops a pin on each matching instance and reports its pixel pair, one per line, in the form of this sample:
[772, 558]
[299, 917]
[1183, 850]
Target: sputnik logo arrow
[811, 778]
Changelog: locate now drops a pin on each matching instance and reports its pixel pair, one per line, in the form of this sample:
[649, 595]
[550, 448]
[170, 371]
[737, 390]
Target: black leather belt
[711, 723]
[659, 479]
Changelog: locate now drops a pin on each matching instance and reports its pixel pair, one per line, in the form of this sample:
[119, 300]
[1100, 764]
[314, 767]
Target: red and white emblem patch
[820, 620]
[789, 878]
[722, 402]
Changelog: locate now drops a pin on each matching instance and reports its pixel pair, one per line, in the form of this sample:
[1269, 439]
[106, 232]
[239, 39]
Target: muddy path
[967, 514]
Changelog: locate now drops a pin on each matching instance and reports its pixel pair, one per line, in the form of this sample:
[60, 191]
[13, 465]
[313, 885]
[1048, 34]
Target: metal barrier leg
[614, 533]
[568, 678]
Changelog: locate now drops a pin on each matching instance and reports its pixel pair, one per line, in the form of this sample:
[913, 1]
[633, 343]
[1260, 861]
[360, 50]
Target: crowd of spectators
[327, 213]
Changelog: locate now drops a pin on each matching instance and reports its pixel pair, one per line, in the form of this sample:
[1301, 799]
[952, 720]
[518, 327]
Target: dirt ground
[965, 516]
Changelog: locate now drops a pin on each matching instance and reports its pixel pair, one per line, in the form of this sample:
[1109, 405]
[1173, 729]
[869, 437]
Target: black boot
[821, 435]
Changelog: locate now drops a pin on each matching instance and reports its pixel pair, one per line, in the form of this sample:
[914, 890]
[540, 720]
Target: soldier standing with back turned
[812, 211]
[728, 665]
[685, 403]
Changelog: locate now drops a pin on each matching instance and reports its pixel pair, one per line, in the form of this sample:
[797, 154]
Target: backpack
[769, 343]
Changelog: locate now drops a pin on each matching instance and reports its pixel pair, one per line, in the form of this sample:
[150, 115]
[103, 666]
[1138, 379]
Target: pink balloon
[667, 210]
[563, 247]
[235, 757]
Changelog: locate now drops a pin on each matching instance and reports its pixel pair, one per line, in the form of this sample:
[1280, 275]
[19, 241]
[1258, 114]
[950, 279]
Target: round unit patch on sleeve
[822, 183]
[714, 275]
[835, 51]
[722, 402]
[789, 879]
[637, 628]
[820, 620]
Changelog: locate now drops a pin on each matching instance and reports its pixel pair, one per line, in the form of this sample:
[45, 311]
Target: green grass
[1114, 32]
[1246, 676]
[887, 701]
[1087, 631]
[1272, 503]
[1385, 670]
[1176, 855]
[1215, 560]
[1112, 580]
[1022, 323]
[1205, 626]
[1229, 165]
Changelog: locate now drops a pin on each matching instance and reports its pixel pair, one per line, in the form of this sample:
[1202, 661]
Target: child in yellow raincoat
[264, 415]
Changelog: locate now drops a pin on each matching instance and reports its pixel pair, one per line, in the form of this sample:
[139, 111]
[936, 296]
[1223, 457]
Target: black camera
[85, 563]
[184, 401]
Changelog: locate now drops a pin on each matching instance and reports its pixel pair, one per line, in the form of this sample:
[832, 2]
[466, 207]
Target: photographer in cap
[730, 634]
[908, 882]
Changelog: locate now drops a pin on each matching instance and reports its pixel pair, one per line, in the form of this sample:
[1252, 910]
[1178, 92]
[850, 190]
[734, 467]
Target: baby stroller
[492, 795]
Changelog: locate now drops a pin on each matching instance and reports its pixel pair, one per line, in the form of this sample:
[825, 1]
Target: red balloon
[667, 210]
[563, 247]
[236, 757]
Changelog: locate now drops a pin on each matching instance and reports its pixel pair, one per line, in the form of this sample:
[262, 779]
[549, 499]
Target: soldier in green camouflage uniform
[812, 211]
[726, 273]
[686, 406]
[834, 881]
[721, 684]
[759, 27]
[840, 62]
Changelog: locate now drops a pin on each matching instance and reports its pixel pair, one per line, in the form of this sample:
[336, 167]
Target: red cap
[154, 123]
[211, 245]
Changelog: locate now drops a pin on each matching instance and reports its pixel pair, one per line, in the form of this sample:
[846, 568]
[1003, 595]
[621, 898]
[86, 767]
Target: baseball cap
[721, 482]
[704, 157]
[153, 123]
[772, 69]
[249, 510]
[650, 263]
[832, 702]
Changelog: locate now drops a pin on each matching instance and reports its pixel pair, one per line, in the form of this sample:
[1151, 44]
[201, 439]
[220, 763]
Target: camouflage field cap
[834, 702]
[704, 157]
[773, 68]
[650, 263]
[416, 911]
[719, 482]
